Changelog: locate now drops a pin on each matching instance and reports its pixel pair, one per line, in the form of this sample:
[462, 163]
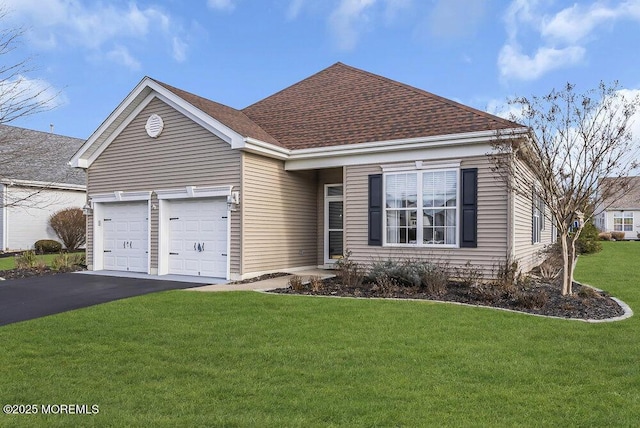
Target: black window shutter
[469, 226]
[375, 209]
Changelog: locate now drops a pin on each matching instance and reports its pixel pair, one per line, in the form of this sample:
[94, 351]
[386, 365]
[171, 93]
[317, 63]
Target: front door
[333, 223]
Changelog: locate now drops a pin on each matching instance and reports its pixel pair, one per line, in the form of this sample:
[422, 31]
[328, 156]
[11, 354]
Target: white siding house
[35, 183]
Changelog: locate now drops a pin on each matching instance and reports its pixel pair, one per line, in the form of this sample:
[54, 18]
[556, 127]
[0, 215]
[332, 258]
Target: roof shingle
[345, 105]
[31, 155]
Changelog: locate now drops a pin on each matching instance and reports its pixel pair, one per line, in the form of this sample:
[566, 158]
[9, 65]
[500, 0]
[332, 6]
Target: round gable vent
[154, 126]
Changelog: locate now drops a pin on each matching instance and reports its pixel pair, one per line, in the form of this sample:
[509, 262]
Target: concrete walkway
[267, 284]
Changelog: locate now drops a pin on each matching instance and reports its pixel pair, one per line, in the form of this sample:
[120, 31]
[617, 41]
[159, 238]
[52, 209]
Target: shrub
[587, 242]
[588, 293]
[28, 260]
[604, 236]
[533, 300]
[44, 246]
[618, 236]
[295, 282]
[316, 282]
[508, 272]
[66, 261]
[70, 226]
[469, 274]
[350, 272]
[434, 279]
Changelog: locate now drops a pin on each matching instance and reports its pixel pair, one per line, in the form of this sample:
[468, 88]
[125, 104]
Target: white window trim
[622, 215]
[327, 199]
[418, 167]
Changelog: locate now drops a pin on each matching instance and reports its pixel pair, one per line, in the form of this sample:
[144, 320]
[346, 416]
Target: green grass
[8, 263]
[247, 359]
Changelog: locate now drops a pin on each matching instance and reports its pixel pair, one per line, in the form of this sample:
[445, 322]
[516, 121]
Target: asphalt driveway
[29, 298]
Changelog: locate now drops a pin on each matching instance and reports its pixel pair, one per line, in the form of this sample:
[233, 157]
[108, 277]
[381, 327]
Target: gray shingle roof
[38, 156]
[630, 200]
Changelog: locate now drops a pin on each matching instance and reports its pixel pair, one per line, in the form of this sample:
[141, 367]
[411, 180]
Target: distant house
[35, 182]
[344, 160]
[621, 214]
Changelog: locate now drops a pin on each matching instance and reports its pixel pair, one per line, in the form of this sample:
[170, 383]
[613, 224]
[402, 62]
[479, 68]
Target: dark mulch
[536, 298]
[31, 272]
[260, 278]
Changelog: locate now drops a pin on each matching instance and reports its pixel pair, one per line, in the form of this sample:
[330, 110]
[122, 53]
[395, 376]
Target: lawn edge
[628, 312]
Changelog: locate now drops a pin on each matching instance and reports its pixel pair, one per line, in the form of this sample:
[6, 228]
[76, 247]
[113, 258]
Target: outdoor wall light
[87, 210]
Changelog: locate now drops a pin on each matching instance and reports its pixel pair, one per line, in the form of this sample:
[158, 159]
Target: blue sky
[478, 52]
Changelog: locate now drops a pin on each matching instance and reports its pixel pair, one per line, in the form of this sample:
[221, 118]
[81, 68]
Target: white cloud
[221, 4]
[562, 36]
[348, 20]
[21, 90]
[575, 23]
[120, 55]
[295, 6]
[517, 65]
[179, 50]
[71, 24]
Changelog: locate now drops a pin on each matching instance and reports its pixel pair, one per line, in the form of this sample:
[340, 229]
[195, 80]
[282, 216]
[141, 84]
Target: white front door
[333, 223]
[198, 237]
[125, 236]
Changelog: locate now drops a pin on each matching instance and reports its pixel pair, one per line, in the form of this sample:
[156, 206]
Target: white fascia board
[43, 184]
[437, 153]
[123, 124]
[115, 115]
[266, 149]
[209, 123]
[438, 147]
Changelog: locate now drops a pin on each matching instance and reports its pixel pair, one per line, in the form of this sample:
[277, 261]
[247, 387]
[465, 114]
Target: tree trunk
[567, 268]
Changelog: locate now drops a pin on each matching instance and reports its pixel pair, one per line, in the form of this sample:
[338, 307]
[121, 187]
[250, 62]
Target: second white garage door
[198, 237]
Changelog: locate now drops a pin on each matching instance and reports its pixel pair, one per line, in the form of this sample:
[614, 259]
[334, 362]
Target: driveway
[29, 298]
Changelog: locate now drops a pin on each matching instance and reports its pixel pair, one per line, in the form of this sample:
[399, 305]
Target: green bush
[587, 242]
[44, 246]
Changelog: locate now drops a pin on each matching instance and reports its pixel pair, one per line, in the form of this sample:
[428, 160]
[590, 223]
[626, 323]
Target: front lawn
[246, 359]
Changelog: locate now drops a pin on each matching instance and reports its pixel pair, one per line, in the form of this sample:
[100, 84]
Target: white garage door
[198, 237]
[125, 236]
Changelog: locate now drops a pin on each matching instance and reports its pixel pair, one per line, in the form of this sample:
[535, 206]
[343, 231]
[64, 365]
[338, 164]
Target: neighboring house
[35, 182]
[621, 214]
[344, 160]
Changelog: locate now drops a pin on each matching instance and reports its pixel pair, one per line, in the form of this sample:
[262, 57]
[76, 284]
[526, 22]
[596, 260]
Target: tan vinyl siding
[325, 176]
[185, 154]
[528, 254]
[279, 216]
[492, 222]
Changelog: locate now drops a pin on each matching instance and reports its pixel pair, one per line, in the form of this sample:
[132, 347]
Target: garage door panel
[197, 242]
[125, 236]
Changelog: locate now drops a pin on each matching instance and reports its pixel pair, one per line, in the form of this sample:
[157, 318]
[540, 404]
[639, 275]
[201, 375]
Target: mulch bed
[537, 297]
[31, 272]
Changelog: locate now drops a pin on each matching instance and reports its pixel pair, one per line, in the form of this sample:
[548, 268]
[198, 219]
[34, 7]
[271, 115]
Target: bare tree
[30, 161]
[573, 141]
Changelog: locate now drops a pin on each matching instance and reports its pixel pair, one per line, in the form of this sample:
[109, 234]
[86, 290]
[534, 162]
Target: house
[344, 160]
[35, 182]
[621, 213]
